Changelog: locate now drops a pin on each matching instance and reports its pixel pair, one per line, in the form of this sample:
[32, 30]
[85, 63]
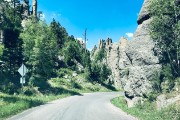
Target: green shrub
[30, 91]
[1, 49]
[39, 81]
[100, 55]
[104, 73]
[152, 96]
[167, 73]
[76, 85]
[168, 78]
[9, 88]
[163, 81]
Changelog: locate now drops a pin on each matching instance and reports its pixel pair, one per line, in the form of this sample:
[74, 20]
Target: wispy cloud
[55, 15]
[79, 39]
[42, 16]
[129, 35]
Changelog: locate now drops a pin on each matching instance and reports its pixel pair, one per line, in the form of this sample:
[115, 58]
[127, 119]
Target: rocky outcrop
[1, 21]
[144, 13]
[144, 63]
[34, 8]
[134, 63]
[25, 9]
[101, 44]
[108, 42]
[163, 102]
[141, 54]
[112, 62]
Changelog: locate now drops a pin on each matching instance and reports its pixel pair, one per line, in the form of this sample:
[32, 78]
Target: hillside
[41, 62]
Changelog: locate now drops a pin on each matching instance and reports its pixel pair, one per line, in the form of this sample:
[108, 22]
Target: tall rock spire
[25, 9]
[34, 8]
[140, 53]
[1, 21]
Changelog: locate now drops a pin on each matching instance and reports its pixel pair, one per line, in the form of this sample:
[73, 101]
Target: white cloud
[79, 39]
[130, 35]
[8, 0]
[42, 16]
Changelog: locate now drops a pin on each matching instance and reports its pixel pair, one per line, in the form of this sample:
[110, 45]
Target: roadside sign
[23, 70]
[22, 80]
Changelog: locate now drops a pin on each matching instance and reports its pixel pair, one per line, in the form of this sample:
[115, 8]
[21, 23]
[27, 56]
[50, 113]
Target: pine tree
[40, 50]
[72, 52]
[12, 52]
[59, 32]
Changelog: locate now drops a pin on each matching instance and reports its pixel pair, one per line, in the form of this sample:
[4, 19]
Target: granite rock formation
[134, 63]
[34, 8]
[1, 20]
[144, 63]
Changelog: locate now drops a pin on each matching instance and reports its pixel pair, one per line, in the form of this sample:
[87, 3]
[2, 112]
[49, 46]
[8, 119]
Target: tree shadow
[30, 102]
[60, 90]
[108, 86]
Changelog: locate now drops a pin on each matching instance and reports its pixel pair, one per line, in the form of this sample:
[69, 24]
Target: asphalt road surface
[91, 106]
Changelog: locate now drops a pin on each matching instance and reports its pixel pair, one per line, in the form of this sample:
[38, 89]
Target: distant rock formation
[1, 20]
[34, 8]
[102, 44]
[25, 9]
[24, 12]
[113, 62]
[114, 54]
[108, 42]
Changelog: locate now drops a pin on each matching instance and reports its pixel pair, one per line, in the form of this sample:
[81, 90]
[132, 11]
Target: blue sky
[102, 18]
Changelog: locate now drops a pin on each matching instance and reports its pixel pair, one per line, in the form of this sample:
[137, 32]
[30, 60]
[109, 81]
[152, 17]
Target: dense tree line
[11, 49]
[98, 71]
[39, 47]
[165, 31]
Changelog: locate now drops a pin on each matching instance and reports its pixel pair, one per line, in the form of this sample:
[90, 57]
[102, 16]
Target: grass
[80, 85]
[13, 104]
[148, 111]
[59, 88]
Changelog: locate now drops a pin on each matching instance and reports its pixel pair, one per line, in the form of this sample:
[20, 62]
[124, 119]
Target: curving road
[90, 106]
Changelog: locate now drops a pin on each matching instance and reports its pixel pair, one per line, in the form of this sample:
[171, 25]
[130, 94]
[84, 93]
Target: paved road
[91, 106]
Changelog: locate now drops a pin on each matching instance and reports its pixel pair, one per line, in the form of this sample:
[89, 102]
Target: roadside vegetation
[58, 88]
[165, 31]
[11, 105]
[148, 111]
